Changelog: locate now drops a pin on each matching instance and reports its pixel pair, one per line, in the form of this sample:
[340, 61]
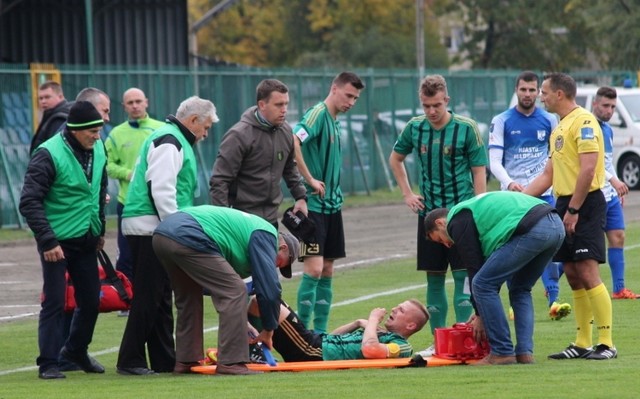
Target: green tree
[364, 33]
[615, 48]
[524, 34]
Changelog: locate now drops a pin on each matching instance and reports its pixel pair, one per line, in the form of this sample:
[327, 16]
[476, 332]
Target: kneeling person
[360, 339]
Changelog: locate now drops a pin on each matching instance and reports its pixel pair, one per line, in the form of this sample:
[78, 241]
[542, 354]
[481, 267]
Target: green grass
[545, 379]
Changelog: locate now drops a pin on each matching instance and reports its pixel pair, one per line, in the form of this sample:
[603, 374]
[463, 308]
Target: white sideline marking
[215, 328]
[7, 264]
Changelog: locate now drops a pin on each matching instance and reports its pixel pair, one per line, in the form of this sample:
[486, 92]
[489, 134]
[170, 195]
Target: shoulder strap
[112, 277]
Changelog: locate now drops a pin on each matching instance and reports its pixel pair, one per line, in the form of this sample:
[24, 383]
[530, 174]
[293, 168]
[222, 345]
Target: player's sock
[602, 313]
[461, 296]
[437, 301]
[550, 279]
[324, 297]
[584, 315]
[616, 262]
[307, 298]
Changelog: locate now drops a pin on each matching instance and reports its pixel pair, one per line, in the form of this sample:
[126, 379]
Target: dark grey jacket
[251, 161]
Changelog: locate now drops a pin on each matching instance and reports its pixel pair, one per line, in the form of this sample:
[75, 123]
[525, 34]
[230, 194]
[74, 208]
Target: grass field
[356, 292]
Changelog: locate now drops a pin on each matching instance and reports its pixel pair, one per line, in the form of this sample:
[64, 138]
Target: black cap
[83, 115]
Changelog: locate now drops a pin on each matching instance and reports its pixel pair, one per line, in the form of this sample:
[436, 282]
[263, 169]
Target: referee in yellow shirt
[576, 171]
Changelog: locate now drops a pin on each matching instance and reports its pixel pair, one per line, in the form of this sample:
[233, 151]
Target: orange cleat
[625, 293]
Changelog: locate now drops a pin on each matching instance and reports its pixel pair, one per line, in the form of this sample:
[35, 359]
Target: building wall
[125, 32]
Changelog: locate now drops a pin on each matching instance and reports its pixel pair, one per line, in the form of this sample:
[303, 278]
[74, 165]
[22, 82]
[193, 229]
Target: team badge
[280, 155]
[586, 133]
[423, 149]
[559, 143]
[446, 150]
[542, 134]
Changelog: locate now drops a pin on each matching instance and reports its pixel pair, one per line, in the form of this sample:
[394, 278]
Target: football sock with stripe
[307, 298]
[437, 301]
[324, 297]
[461, 296]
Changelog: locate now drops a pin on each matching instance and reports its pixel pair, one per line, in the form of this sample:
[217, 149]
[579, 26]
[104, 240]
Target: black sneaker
[572, 352]
[86, 362]
[256, 355]
[603, 352]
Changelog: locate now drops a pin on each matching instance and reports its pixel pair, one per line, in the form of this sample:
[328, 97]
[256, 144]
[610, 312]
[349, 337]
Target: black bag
[303, 228]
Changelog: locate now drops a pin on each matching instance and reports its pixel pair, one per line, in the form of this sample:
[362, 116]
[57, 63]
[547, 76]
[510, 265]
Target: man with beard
[518, 151]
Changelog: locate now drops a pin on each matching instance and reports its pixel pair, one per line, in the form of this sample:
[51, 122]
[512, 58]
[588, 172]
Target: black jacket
[52, 120]
[40, 176]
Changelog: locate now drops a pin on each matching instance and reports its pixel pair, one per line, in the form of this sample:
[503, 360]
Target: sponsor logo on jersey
[302, 134]
[586, 133]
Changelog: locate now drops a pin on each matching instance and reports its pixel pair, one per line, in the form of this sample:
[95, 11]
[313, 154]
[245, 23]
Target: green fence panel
[369, 129]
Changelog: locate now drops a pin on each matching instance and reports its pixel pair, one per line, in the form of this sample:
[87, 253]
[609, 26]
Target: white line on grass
[215, 328]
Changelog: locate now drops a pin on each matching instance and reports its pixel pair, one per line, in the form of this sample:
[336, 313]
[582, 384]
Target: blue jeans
[521, 259]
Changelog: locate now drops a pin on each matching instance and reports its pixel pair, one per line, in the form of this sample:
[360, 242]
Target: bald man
[123, 146]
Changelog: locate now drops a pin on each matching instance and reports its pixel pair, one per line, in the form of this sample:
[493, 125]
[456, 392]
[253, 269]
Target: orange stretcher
[342, 364]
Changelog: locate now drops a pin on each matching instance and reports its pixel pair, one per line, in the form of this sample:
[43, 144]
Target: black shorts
[294, 342]
[329, 237]
[433, 256]
[588, 242]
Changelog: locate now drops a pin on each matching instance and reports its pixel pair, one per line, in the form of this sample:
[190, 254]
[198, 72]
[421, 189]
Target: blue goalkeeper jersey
[524, 141]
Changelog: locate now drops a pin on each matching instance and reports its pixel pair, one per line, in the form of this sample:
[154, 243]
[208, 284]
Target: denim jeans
[522, 259]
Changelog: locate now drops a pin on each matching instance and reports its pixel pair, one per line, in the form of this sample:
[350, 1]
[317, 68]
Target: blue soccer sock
[550, 279]
[616, 263]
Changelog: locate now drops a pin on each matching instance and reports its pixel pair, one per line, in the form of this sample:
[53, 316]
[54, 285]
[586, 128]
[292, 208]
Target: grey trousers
[191, 271]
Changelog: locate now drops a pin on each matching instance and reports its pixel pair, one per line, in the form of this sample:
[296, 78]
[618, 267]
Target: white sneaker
[430, 351]
[123, 313]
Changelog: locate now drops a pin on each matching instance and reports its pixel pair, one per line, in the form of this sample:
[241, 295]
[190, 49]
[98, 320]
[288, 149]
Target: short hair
[420, 323]
[431, 217]
[527, 76]
[345, 78]
[608, 92]
[200, 107]
[432, 84]
[268, 86]
[91, 94]
[54, 86]
[563, 82]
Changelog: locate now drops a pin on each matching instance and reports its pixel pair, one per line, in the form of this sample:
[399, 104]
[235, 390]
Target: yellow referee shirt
[577, 133]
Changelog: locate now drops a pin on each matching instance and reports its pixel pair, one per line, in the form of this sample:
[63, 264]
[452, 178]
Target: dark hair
[50, 84]
[351, 78]
[608, 92]
[527, 76]
[430, 219]
[268, 86]
[563, 82]
[432, 84]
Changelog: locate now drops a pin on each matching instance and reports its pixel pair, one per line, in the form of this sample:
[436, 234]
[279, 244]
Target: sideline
[370, 261]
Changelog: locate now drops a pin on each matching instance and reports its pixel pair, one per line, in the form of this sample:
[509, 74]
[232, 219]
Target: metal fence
[369, 129]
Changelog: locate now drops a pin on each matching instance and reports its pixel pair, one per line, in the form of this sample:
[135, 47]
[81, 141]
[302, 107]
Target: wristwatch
[572, 211]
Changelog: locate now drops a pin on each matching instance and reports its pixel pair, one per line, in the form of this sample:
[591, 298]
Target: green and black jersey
[445, 156]
[319, 136]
